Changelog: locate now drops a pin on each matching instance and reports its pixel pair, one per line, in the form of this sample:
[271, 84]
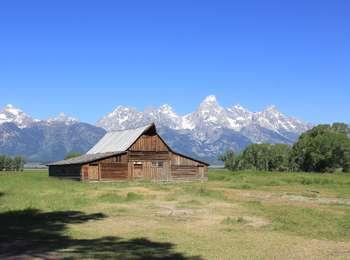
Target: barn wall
[180, 160]
[113, 171]
[148, 162]
[148, 156]
[144, 155]
[189, 172]
[149, 171]
[149, 143]
[183, 168]
[118, 158]
[90, 171]
[112, 168]
[65, 171]
[148, 149]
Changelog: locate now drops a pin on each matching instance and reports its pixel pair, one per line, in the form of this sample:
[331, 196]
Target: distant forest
[8, 163]
[324, 148]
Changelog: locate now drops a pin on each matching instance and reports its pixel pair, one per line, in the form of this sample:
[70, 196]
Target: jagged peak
[9, 106]
[210, 99]
[166, 107]
[10, 113]
[122, 108]
[238, 107]
[12, 109]
[62, 117]
[271, 108]
[210, 103]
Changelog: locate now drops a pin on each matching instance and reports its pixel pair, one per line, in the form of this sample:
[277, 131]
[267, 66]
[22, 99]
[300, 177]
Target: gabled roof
[86, 158]
[119, 141]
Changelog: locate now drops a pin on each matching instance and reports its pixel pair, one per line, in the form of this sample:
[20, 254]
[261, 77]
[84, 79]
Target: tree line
[324, 148]
[8, 163]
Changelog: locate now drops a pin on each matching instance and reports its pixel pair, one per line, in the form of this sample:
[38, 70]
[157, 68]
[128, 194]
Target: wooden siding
[93, 172]
[150, 172]
[180, 160]
[183, 168]
[123, 158]
[184, 172]
[148, 156]
[113, 171]
[65, 171]
[149, 143]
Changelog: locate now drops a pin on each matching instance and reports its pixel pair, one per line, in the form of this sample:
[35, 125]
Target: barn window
[138, 165]
[158, 164]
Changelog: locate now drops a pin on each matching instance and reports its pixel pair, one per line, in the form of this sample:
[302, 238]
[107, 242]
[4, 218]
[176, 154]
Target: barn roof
[118, 141]
[86, 158]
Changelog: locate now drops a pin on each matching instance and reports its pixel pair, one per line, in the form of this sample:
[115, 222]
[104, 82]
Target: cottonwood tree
[18, 163]
[325, 148]
[2, 162]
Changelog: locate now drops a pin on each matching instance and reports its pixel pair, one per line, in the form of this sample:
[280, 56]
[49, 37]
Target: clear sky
[86, 57]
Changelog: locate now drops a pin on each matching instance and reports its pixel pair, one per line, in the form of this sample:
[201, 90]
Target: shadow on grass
[32, 233]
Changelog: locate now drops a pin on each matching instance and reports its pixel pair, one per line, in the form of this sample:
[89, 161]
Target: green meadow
[243, 215]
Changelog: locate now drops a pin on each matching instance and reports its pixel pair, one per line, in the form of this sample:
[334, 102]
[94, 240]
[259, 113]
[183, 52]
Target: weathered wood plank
[116, 171]
[149, 143]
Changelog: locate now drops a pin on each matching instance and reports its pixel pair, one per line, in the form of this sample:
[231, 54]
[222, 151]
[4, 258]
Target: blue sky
[87, 57]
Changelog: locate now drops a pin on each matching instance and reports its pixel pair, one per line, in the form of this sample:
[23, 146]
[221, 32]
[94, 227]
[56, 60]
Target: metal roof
[86, 158]
[118, 141]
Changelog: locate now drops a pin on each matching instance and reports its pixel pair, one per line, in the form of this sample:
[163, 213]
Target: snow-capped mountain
[211, 129]
[205, 133]
[11, 114]
[272, 119]
[44, 140]
[122, 118]
[209, 117]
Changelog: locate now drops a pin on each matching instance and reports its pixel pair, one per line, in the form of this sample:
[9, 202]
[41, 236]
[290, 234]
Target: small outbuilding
[132, 154]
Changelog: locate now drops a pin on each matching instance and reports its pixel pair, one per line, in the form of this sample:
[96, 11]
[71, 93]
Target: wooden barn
[131, 155]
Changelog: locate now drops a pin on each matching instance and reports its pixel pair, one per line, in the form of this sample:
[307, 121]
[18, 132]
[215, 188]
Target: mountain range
[204, 133]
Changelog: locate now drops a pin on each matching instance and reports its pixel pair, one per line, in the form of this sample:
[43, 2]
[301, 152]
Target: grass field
[232, 216]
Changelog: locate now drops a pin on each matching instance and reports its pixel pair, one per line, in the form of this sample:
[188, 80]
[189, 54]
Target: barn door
[201, 171]
[93, 172]
[138, 170]
[85, 172]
